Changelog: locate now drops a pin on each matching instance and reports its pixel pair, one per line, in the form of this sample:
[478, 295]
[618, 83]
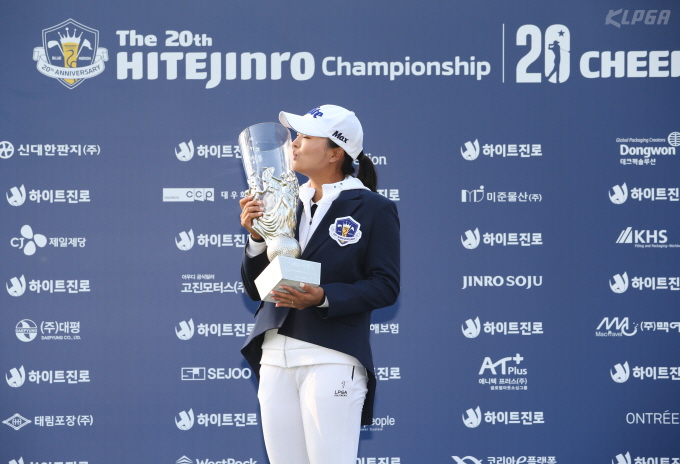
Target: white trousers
[312, 414]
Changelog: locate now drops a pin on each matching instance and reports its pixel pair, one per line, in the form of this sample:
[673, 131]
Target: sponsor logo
[16, 377]
[505, 370]
[471, 151]
[186, 460]
[186, 151]
[339, 136]
[619, 195]
[188, 194]
[186, 420]
[628, 235]
[471, 328]
[478, 195]
[471, 239]
[500, 281]
[186, 330]
[18, 196]
[316, 113]
[674, 139]
[221, 373]
[26, 330]
[29, 241]
[6, 149]
[619, 283]
[70, 53]
[15, 461]
[186, 240]
[664, 418]
[620, 373]
[18, 286]
[622, 459]
[473, 418]
[466, 460]
[647, 17]
[621, 327]
[16, 421]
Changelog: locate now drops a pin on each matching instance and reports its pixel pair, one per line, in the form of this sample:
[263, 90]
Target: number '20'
[556, 48]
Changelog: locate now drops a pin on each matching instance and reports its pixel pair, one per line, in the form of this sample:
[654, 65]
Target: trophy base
[287, 271]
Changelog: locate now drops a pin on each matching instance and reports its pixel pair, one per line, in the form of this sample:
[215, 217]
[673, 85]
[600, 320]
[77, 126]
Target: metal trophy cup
[267, 160]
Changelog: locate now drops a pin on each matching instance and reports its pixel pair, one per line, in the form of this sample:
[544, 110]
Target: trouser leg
[282, 424]
[331, 400]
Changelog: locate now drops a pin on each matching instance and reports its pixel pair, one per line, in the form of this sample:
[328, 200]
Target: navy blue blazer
[357, 278]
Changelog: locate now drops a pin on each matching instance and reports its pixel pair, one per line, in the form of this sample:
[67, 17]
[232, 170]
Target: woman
[311, 350]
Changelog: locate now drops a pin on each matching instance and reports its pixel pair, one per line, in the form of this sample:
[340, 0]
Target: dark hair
[367, 173]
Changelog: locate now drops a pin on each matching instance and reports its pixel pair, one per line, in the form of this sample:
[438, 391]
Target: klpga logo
[619, 195]
[186, 420]
[622, 459]
[471, 150]
[471, 239]
[489, 364]
[620, 283]
[17, 377]
[18, 286]
[466, 460]
[620, 373]
[186, 330]
[471, 328]
[649, 16]
[18, 196]
[28, 241]
[186, 151]
[473, 419]
[628, 235]
[186, 240]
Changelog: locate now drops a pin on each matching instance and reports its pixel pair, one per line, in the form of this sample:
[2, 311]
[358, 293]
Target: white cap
[335, 122]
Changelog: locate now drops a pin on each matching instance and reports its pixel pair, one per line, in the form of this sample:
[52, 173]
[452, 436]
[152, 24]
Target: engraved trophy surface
[267, 160]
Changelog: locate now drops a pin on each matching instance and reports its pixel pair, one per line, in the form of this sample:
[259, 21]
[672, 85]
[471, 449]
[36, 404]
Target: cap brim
[300, 124]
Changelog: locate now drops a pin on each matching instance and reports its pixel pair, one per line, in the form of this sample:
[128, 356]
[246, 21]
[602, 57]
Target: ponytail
[367, 173]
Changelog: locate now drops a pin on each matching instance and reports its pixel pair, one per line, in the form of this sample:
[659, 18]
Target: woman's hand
[251, 209]
[312, 296]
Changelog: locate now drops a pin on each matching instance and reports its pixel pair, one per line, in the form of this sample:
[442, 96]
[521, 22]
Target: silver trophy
[267, 161]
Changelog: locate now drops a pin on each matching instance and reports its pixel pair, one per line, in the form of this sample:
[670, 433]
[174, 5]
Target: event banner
[531, 151]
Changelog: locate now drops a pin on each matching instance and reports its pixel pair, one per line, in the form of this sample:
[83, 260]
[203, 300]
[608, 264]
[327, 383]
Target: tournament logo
[70, 53]
[345, 231]
[186, 240]
[620, 283]
[623, 459]
[619, 194]
[471, 239]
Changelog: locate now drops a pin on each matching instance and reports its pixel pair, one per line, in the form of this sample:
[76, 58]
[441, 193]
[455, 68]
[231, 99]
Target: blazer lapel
[346, 203]
[298, 215]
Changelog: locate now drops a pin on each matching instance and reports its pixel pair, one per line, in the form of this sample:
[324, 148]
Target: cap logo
[316, 113]
[339, 136]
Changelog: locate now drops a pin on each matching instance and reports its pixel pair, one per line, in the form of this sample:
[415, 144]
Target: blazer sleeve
[251, 268]
[380, 285]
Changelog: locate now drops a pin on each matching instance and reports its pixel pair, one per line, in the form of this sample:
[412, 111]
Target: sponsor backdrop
[531, 150]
